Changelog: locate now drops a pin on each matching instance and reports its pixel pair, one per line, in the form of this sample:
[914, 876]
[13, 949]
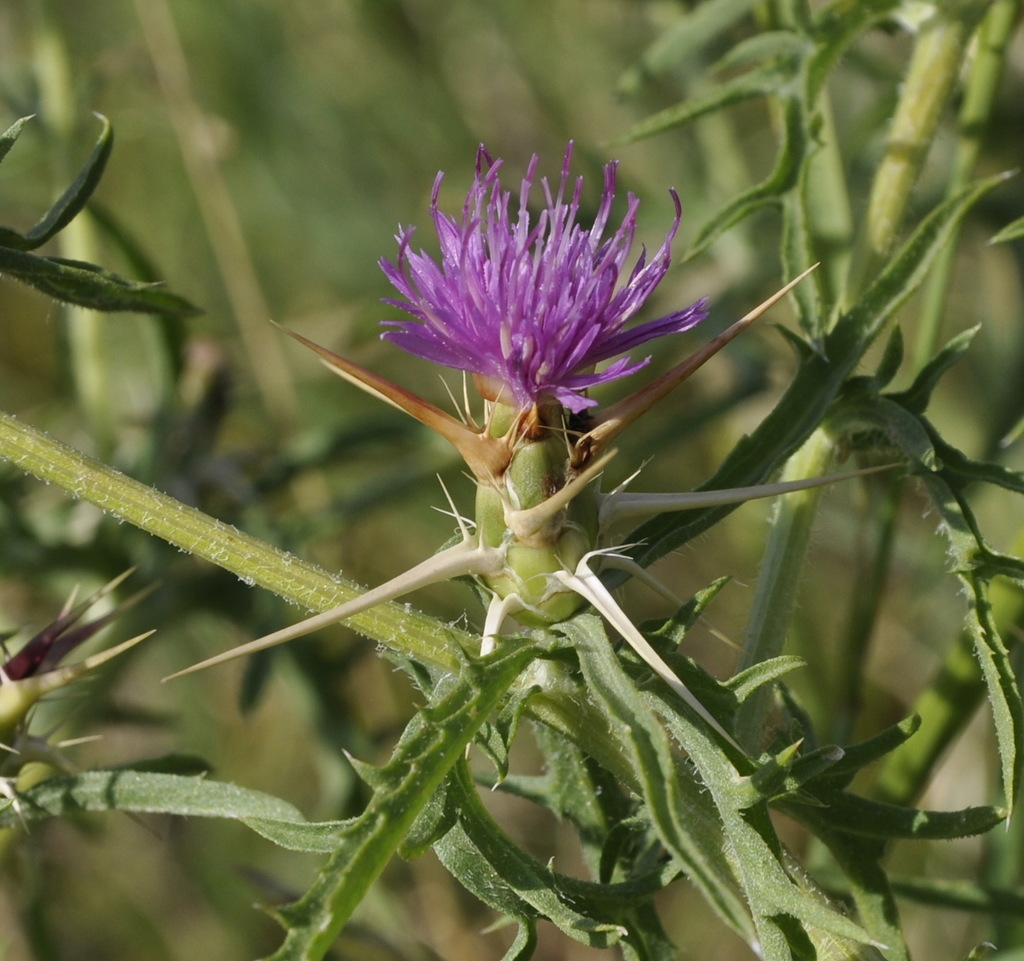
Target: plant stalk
[254, 561]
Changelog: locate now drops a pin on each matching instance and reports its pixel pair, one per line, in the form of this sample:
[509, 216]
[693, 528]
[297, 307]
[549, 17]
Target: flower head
[531, 308]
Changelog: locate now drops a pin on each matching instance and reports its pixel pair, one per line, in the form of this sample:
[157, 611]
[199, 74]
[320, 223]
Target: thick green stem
[934, 70]
[979, 97]
[253, 560]
[779, 580]
[866, 597]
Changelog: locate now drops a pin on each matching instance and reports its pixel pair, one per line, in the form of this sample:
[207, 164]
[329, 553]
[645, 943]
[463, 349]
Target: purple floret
[532, 307]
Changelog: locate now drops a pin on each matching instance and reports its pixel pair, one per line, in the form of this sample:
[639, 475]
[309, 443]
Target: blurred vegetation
[265, 155]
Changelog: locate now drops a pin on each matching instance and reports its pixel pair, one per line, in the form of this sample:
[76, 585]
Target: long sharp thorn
[619, 506]
[452, 562]
[525, 523]
[486, 456]
[588, 585]
[616, 418]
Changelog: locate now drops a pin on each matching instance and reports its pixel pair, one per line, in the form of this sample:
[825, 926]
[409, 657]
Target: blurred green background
[266, 153]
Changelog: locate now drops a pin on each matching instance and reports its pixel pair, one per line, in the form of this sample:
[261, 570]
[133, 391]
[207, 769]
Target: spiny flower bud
[34, 671]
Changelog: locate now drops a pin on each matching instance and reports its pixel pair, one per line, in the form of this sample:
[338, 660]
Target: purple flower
[531, 308]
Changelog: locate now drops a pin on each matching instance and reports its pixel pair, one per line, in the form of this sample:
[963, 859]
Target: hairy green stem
[980, 92]
[933, 73]
[253, 560]
[866, 597]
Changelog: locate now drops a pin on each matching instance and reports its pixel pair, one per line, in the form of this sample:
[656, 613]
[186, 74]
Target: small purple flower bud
[531, 308]
[35, 671]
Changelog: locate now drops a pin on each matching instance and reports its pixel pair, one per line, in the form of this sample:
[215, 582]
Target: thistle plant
[530, 311]
[540, 302]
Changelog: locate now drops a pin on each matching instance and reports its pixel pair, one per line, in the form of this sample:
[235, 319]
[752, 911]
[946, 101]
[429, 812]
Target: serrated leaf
[432, 743]
[495, 738]
[769, 890]
[511, 881]
[1001, 682]
[576, 789]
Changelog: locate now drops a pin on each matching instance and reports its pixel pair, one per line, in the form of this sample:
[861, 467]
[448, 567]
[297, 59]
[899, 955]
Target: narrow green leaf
[1012, 231]
[961, 895]
[857, 756]
[645, 739]
[872, 819]
[755, 83]
[859, 859]
[1001, 682]
[918, 395]
[10, 136]
[77, 282]
[146, 792]
[691, 32]
[756, 676]
[892, 359]
[907, 270]
[800, 248]
[795, 145]
[961, 470]
[507, 878]
[71, 202]
[524, 945]
[836, 27]
[786, 774]
[672, 631]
